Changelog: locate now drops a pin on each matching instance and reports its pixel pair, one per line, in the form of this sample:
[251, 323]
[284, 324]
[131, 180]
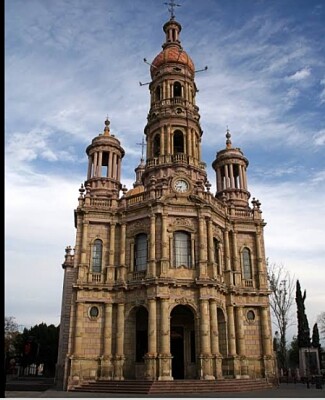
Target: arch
[236, 174]
[178, 142]
[141, 333]
[158, 93]
[140, 252]
[182, 249]
[183, 341]
[97, 255]
[246, 263]
[156, 145]
[222, 329]
[177, 89]
[136, 337]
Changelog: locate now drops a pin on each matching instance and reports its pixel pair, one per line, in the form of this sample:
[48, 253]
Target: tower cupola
[104, 164]
[230, 166]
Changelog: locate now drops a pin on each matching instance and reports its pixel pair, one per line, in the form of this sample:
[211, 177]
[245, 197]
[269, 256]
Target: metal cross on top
[171, 7]
[142, 144]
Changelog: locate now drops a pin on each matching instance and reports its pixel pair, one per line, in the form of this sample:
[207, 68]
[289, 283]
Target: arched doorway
[182, 342]
[136, 338]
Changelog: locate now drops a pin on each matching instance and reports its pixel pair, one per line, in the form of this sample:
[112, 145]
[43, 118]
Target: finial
[228, 141]
[171, 7]
[106, 129]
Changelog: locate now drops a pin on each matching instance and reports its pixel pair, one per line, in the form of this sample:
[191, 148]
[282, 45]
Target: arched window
[156, 146]
[177, 89]
[97, 256]
[247, 265]
[140, 252]
[158, 93]
[182, 249]
[178, 142]
[216, 248]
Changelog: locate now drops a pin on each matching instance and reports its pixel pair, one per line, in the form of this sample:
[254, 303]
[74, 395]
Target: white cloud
[319, 138]
[300, 75]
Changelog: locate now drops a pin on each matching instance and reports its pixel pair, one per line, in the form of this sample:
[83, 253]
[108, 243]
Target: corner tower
[230, 166]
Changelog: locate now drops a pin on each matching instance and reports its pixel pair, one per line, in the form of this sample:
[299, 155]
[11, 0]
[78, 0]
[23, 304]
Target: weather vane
[142, 144]
[171, 7]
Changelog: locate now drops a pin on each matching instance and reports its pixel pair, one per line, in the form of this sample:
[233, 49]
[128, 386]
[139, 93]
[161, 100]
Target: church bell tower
[173, 131]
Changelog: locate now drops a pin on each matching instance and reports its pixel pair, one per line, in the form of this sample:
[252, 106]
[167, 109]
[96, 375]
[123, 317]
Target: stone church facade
[166, 280]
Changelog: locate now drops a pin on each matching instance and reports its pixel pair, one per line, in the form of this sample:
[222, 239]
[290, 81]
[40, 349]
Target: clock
[181, 185]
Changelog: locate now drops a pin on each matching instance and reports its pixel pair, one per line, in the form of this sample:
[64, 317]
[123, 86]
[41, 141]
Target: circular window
[93, 312]
[250, 315]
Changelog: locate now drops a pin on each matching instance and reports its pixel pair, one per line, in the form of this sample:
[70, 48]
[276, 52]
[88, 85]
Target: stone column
[118, 169]
[95, 171]
[114, 166]
[203, 244]
[189, 145]
[168, 140]
[90, 161]
[214, 327]
[241, 180]
[150, 357]
[219, 181]
[227, 176]
[268, 357]
[266, 333]
[165, 365]
[100, 162]
[261, 270]
[217, 362]
[79, 326]
[109, 165]
[237, 273]
[228, 272]
[227, 249]
[164, 243]
[152, 247]
[210, 241]
[240, 331]
[106, 362]
[231, 331]
[119, 356]
[205, 358]
[84, 242]
[162, 141]
[193, 144]
[231, 173]
[111, 268]
[123, 252]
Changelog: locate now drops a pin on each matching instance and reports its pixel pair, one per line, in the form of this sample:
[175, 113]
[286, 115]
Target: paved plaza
[285, 390]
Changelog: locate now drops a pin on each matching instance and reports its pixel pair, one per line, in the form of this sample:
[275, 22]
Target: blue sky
[70, 63]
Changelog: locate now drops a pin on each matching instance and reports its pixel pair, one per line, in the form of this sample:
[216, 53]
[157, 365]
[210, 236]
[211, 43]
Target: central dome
[172, 54]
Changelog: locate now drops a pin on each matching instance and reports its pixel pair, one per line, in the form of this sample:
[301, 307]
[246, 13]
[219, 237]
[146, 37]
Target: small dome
[172, 54]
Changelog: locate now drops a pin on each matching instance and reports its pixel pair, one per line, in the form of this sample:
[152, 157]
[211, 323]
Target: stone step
[175, 386]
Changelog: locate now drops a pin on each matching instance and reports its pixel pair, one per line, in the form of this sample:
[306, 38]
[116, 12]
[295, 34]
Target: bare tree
[11, 331]
[282, 287]
[321, 324]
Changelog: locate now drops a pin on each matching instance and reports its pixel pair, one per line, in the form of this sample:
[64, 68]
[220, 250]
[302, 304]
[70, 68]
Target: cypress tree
[303, 326]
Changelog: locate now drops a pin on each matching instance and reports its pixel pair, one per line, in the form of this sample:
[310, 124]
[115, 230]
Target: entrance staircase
[172, 387]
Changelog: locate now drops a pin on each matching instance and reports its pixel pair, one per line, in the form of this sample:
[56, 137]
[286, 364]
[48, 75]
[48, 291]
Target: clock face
[181, 185]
